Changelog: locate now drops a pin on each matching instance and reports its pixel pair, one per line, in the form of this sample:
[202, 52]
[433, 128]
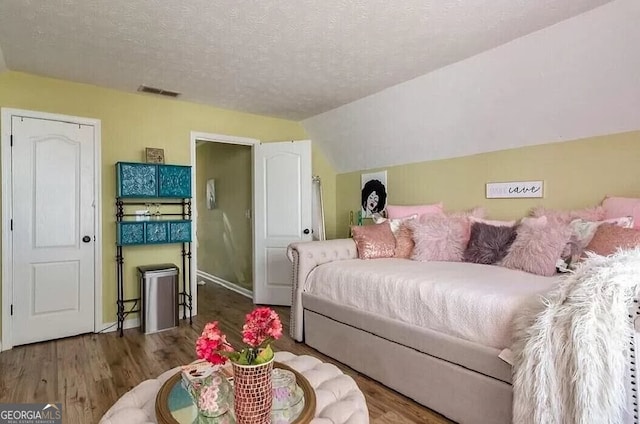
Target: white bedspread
[470, 301]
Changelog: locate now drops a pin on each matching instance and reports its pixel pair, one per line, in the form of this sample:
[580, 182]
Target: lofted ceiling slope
[289, 59]
[573, 80]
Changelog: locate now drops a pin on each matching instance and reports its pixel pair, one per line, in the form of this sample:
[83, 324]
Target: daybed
[433, 331]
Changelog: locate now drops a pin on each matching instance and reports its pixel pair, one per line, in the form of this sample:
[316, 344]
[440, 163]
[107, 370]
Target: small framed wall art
[373, 194]
[154, 155]
[515, 190]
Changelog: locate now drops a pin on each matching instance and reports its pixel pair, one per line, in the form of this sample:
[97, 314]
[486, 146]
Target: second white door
[282, 204]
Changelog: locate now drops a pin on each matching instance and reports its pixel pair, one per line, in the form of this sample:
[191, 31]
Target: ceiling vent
[160, 91]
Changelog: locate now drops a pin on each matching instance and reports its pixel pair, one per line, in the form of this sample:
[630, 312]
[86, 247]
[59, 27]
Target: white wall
[578, 78]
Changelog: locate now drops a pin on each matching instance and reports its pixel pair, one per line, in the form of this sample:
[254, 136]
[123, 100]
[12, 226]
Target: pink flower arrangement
[261, 327]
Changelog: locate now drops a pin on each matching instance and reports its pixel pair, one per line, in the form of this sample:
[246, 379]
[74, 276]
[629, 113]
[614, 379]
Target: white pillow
[393, 223]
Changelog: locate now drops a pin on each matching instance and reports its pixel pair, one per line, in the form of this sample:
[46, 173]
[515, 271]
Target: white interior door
[282, 204]
[53, 197]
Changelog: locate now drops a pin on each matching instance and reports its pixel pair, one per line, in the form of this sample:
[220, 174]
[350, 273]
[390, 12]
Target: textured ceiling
[292, 59]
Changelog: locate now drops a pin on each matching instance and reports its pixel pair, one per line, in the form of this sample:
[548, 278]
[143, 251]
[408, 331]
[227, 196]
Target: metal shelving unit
[167, 187]
[186, 298]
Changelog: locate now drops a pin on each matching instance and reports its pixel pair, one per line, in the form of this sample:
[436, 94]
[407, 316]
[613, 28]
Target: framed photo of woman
[373, 195]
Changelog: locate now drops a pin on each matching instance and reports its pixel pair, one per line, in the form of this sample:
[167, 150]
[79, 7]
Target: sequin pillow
[610, 237]
[374, 241]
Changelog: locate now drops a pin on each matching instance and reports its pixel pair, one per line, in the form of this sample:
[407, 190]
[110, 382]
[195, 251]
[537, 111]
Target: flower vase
[211, 394]
[252, 393]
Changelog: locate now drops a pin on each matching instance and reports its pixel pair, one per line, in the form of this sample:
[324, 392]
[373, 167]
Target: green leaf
[265, 355]
[242, 358]
[233, 356]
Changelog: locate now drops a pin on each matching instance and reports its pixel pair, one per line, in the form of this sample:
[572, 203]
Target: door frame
[7, 212]
[213, 138]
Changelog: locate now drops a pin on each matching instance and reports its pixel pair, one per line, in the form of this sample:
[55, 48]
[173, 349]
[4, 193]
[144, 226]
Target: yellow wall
[576, 174]
[131, 122]
[224, 232]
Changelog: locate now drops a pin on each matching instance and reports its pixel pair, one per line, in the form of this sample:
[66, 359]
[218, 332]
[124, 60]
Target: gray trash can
[159, 292]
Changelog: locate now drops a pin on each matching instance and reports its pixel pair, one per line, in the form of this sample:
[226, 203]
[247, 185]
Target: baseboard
[226, 284]
[108, 327]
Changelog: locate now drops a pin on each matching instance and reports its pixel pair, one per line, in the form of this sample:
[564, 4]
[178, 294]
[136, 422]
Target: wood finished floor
[88, 373]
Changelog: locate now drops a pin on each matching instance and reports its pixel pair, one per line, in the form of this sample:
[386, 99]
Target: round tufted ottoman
[338, 398]
[138, 405]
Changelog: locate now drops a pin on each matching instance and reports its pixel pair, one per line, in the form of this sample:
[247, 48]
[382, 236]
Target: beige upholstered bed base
[462, 380]
[457, 392]
[460, 394]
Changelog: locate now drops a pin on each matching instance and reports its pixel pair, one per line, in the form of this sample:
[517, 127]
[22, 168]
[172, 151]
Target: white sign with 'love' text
[514, 189]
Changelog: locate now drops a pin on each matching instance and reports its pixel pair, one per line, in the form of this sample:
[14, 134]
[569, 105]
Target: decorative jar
[285, 390]
[210, 390]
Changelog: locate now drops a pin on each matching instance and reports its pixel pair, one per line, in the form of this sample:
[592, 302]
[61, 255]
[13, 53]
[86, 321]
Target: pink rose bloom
[211, 342]
[261, 324]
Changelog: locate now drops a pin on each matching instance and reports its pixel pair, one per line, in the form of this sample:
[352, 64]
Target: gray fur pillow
[488, 243]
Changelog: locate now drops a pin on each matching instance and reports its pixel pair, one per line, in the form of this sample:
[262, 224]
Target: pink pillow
[404, 242]
[493, 222]
[595, 213]
[439, 238]
[615, 207]
[537, 246]
[610, 237]
[404, 211]
[374, 241]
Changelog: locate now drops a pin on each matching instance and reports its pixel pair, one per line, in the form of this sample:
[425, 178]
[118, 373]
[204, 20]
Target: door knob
[86, 239]
[306, 231]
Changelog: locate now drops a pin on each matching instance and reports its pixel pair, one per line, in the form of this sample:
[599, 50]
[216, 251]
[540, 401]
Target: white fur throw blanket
[570, 353]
